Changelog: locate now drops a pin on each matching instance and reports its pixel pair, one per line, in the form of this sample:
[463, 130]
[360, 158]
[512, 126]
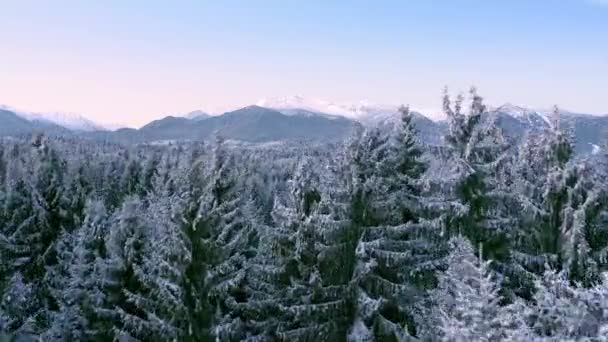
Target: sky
[130, 62]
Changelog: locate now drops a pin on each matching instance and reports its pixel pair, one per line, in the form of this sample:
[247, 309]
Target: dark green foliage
[397, 251]
[197, 234]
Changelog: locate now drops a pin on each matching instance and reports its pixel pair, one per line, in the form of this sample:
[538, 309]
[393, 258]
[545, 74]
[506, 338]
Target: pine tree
[218, 228]
[81, 295]
[584, 231]
[234, 233]
[555, 196]
[397, 251]
[135, 293]
[148, 173]
[164, 267]
[468, 300]
[130, 179]
[476, 148]
[112, 187]
[563, 311]
[31, 237]
[316, 293]
[409, 152]
[17, 215]
[298, 290]
[481, 199]
[18, 304]
[565, 204]
[79, 190]
[196, 233]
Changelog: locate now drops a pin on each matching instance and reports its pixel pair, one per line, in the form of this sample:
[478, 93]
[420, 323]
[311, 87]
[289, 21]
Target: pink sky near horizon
[133, 62]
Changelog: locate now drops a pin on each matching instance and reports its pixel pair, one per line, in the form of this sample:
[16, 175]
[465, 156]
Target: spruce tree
[88, 268]
[220, 239]
[481, 200]
[564, 209]
[398, 251]
[31, 237]
[317, 301]
[475, 147]
[468, 300]
[134, 300]
[196, 233]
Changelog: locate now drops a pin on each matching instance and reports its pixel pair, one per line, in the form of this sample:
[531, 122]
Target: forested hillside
[376, 238]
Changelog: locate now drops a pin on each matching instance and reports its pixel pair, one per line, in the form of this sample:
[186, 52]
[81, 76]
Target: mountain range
[295, 118]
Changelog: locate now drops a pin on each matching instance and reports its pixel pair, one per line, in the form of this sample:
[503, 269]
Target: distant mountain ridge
[589, 131]
[12, 124]
[74, 122]
[286, 121]
[252, 123]
[71, 121]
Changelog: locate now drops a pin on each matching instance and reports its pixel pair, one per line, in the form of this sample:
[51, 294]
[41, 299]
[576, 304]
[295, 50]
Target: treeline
[376, 239]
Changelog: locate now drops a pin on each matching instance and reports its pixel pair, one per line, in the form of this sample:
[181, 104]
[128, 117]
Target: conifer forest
[379, 237]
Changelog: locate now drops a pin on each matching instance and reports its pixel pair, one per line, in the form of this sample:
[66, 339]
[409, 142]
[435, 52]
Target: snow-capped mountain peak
[363, 110]
[70, 121]
[524, 114]
[294, 102]
[513, 110]
[197, 115]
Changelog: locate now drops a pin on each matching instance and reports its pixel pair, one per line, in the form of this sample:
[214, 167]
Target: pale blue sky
[133, 61]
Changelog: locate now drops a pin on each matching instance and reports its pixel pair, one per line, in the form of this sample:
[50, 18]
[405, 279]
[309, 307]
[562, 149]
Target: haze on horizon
[133, 62]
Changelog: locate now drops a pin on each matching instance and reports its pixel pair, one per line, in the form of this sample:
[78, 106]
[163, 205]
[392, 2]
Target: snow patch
[524, 114]
[364, 110]
[71, 121]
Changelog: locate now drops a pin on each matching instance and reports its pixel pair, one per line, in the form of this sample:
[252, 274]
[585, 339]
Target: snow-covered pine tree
[565, 311]
[79, 188]
[230, 213]
[33, 232]
[408, 151]
[113, 192]
[295, 288]
[398, 251]
[585, 226]
[267, 273]
[477, 147]
[123, 272]
[163, 181]
[219, 235]
[135, 301]
[564, 205]
[371, 152]
[468, 302]
[147, 175]
[64, 323]
[256, 311]
[80, 296]
[196, 234]
[130, 179]
[164, 266]
[555, 193]
[597, 300]
[3, 178]
[316, 301]
[18, 302]
[55, 224]
[482, 191]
